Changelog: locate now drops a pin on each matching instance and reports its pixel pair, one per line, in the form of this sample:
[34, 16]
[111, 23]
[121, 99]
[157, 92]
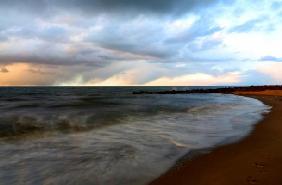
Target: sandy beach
[256, 160]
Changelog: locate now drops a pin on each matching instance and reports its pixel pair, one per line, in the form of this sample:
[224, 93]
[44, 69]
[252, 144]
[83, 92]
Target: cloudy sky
[138, 42]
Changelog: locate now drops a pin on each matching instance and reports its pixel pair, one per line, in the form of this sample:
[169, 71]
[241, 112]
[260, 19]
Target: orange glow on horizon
[21, 74]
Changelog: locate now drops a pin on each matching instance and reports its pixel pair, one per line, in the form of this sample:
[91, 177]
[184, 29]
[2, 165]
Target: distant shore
[256, 160]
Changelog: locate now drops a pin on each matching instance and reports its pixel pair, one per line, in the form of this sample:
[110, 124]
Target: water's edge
[196, 153]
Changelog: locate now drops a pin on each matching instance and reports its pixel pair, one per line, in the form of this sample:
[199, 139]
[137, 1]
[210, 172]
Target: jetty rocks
[223, 90]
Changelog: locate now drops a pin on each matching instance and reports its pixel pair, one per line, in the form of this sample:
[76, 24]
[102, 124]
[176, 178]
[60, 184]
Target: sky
[137, 42]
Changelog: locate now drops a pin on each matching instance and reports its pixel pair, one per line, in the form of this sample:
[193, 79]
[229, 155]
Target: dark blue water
[107, 135]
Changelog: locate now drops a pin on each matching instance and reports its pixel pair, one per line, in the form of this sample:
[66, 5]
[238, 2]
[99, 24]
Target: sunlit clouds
[23, 74]
[198, 78]
[158, 42]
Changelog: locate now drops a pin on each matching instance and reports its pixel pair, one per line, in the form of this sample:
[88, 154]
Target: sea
[110, 136]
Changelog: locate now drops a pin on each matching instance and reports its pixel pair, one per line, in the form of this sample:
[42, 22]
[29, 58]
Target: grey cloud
[153, 50]
[276, 5]
[251, 78]
[32, 6]
[211, 59]
[3, 35]
[49, 54]
[141, 6]
[249, 25]
[147, 42]
[52, 34]
[3, 38]
[144, 39]
[271, 58]
[153, 41]
[200, 28]
[65, 61]
[39, 71]
[207, 44]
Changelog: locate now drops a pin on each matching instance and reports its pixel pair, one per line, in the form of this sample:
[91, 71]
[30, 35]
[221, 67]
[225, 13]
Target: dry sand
[256, 160]
[266, 92]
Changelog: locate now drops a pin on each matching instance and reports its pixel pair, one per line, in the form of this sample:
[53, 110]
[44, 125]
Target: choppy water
[108, 136]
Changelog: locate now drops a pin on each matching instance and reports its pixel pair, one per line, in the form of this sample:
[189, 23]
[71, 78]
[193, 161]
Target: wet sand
[256, 160]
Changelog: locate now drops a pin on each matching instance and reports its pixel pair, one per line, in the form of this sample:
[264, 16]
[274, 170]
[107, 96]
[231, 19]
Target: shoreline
[254, 160]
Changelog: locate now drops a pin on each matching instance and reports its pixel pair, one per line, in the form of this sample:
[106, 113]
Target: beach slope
[256, 160]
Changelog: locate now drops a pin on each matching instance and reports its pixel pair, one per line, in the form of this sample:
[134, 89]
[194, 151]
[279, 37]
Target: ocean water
[108, 136]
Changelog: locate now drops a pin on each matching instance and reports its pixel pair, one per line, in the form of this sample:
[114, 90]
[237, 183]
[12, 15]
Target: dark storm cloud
[146, 41]
[100, 6]
[154, 48]
[155, 6]
[50, 55]
[64, 61]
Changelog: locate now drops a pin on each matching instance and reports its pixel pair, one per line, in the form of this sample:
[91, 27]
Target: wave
[65, 118]
[209, 108]
[15, 125]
